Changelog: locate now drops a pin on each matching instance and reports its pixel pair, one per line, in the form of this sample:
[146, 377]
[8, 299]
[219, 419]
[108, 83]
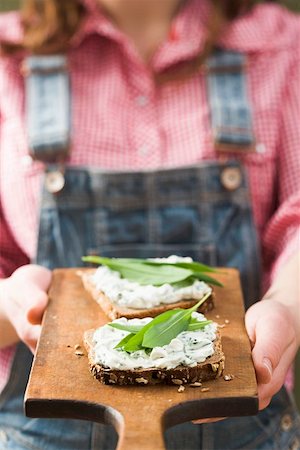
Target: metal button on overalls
[231, 178]
[286, 422]
[54, 181]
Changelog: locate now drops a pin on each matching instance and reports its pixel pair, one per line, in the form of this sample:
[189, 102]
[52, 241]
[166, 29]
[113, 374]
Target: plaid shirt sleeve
[282, 237]
[11, 257]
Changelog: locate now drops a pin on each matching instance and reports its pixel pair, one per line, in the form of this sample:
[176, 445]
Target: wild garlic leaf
[162, 332]
[207, 279]
[136, 341]
[198, 325]
[197, 268]
[142, 273]
[184, 283]
[130, 328]
[124, 340]
[194, 265]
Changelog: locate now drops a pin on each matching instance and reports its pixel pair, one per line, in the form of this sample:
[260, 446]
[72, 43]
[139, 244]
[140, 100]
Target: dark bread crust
[209, 369]
[115, 312]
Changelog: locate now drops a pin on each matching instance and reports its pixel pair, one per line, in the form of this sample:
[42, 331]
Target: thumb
[36, 310]
[33, 282]
[270, 336]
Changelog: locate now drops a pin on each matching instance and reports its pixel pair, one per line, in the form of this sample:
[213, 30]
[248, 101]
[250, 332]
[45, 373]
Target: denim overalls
[202, 211]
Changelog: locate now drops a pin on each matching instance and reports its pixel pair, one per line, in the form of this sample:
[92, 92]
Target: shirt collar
[95, 22]
[186, 38]
[249, 33]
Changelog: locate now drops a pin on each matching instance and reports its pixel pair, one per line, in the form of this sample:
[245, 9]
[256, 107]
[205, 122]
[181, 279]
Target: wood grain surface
[61, 385]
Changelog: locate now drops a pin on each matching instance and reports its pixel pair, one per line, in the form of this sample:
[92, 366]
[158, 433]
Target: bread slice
[209, 369]
[114, 311]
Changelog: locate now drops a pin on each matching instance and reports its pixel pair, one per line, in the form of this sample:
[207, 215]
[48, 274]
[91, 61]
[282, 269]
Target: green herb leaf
[141, 272]
[130, 328]
[197, 325]
[207, 279]
[195, 266]
[136, 341]
[162, 332]
[196, 276]
[124, 340]
[184, 283]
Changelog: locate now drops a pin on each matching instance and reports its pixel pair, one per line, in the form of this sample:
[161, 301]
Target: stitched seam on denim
[240, 196]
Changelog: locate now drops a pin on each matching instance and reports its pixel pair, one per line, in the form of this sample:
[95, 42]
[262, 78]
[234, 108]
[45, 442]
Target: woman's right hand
[23, 302]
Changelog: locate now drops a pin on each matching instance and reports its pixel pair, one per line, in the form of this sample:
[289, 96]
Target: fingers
[33, 274]
[31, 336]
[36, 310]
[266, 391]
[268, 350]
[269, 328]
[268, 324]
[25, 301]
[32, 282]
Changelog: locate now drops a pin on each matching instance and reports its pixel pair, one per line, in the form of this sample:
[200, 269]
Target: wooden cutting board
[61, 386]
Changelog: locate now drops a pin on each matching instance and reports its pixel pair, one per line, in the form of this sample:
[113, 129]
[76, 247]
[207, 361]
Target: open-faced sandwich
[177, 347]
[145, 288]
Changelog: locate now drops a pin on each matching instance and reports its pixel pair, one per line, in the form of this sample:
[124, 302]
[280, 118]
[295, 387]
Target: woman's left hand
[272, 330]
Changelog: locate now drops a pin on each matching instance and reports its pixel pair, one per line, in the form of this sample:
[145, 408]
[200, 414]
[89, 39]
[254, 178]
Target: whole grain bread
[210, 369]
[114, 311]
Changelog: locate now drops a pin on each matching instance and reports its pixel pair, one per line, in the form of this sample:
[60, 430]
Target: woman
[156, 113]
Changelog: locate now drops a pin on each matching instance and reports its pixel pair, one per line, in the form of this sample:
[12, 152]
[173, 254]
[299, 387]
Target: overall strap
[231, 114]
[48, 100]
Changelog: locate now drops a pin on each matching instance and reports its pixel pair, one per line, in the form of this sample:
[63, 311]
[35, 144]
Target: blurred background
[6, 5]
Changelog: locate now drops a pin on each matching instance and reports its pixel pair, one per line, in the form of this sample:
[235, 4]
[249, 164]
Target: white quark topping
[188, 349]
[127, 293]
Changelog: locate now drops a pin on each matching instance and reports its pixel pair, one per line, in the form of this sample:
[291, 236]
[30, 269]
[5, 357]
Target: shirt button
[286, 422]
[231, 178]
[260, 148]
[141, 100]
[26, 161]
[144, 150]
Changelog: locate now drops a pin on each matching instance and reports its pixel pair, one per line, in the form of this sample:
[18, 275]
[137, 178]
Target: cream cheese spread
[188, 349]
[129, 294]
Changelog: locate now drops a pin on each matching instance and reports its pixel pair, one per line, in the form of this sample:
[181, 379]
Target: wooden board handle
[141, 432]
[136, 430]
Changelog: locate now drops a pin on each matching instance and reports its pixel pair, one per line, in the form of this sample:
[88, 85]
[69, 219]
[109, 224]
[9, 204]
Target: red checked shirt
[122, 120]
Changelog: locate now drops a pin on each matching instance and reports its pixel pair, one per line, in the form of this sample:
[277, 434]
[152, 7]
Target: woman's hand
[23, 299]
[273, 332]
